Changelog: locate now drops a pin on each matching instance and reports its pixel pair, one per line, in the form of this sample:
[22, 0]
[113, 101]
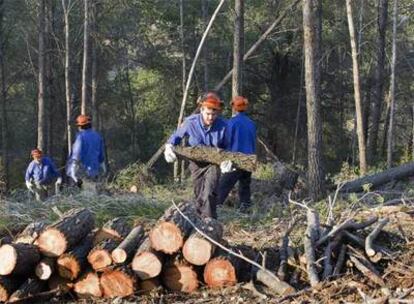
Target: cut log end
[68, 267]
[44, 270]
[4, 294]
[8, 259]
[119, 256]
[166, 237]
[146, 265]
[99, 259]
[197, 251]
[116, 283]
[52, 242]
[88, 286]
[370, 252]
[180, 277]
[219, 273]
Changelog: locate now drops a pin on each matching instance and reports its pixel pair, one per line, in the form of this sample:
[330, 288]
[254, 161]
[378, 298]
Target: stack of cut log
[115, 260]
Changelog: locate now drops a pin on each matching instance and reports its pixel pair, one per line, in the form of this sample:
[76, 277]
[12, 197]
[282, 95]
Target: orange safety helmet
[36, 153]
[83, 120]
[239, 103]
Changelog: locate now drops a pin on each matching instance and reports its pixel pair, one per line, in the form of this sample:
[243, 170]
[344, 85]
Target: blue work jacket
[43, 172]
[240, 134]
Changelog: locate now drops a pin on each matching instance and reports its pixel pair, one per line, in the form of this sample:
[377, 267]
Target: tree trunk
[238, 48]
[357, 91]
[4, 164]
[379, 79]
[315, 171]
[18, 259]
[94, 74]
[390, 143]
[197, 250]
[66, 232]
[72, 263]
[88, 286]
[31, 287]
[8, 285]
[124, 251]
[118, 282]
[100, 256]
[169, 234]
[41, 117]
[215, 156]
[147, 263]
[85, 63]
[65, 5]
[204, 16]
[180, 276]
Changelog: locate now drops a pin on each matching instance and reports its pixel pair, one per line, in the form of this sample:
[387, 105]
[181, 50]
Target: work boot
[245, 208]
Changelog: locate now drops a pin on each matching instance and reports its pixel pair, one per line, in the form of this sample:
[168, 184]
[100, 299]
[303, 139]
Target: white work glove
[72, 172]
[103, 168]
[226, 166]
[169, 154]
[30, 186]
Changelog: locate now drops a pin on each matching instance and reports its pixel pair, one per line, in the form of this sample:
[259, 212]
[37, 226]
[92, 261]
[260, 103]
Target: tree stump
[70, 264]
[88, 286]
[169, 233]
[66, 232]
[198, 250]
[18, 259]
[31, 287]
[118, 282]
[147, 263]
[125, 250]
[100, 256]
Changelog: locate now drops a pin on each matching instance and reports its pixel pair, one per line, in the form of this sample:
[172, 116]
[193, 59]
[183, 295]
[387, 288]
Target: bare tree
[390, 143]
[315, 171]
[357, 91]
[4, 128]
[238, 48]
[66, 4]
[85, 58]
[94, 72]
[204, 12]
[41, 117]
[379, 79]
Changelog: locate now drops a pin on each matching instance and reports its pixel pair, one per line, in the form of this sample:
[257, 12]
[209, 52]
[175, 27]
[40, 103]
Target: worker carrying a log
[86, 162]
[40, 174]
[240, 137]
[206, 128]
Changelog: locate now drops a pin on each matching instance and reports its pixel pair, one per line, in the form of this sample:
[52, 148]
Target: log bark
[146, 286]
[274, 283]
[340, 261]
[169, 234]
[31, 287]
[30, 233]
[18, 259]
[57, 282]
[125, 250]
[118, 227]
[379, 179]
[197, 250]
[179, 275]
[66, 232]
[45, 268]
[71, 264]
[119, 282]
[309, 246]
[88, 286]
[373, 235]
[100, 256]
[8, 285]
[367, 270]
[361, 242]
[216, 156]
[147, 263]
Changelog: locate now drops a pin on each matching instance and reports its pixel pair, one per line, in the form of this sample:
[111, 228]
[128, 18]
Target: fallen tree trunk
[125, 250]
[198, 250]
[379, 179]
[100, 255]
[71, 264]
[169, 234]
[8, 285]
[216, 156]
[66, 232]
[147, 263]
[18, 259]
[45, 268]
[117, 228]
[88, 286]
[179, 275]
[118, 282]
[31, 287]
[31, 233]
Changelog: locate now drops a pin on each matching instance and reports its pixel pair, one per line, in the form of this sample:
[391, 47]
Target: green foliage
[135, 175]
